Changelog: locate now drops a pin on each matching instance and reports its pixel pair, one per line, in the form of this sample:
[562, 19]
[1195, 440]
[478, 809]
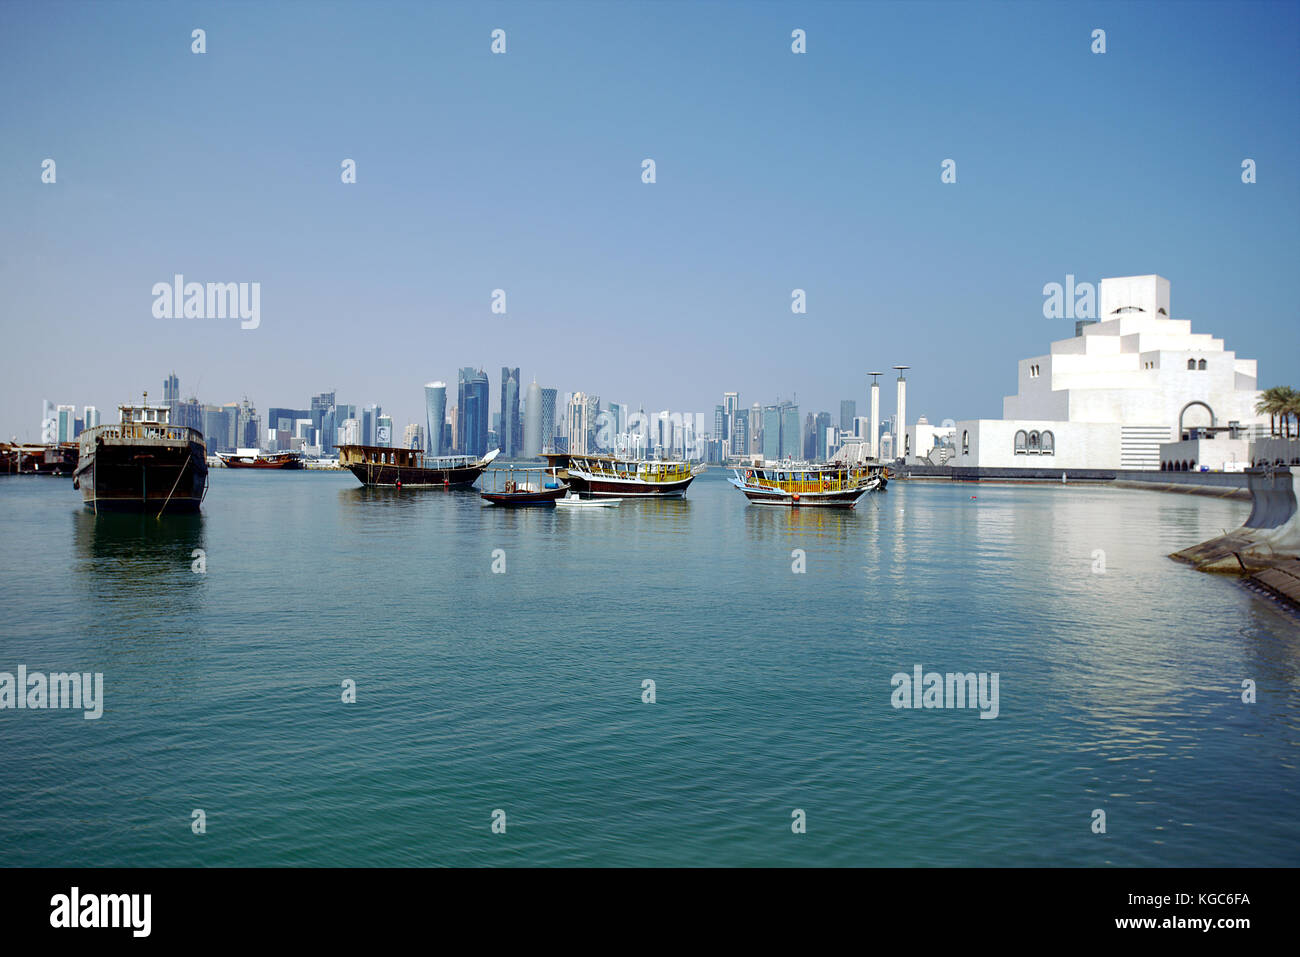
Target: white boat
[571, 500]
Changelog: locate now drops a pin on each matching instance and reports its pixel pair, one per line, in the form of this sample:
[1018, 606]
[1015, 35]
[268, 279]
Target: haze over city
[523, 172]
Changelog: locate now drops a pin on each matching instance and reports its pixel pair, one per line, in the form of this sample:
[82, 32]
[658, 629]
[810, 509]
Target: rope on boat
[174, 484]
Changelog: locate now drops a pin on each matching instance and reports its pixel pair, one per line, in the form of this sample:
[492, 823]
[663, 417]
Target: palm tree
[1291, 408]
[1271, 402]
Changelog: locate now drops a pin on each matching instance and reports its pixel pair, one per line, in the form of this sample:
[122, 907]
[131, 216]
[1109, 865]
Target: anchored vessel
[607, 476]
[255, 459]
[59, 459]
[800, 485]
[411, 468]
[573, 500]
[518, 487]
[143, 463]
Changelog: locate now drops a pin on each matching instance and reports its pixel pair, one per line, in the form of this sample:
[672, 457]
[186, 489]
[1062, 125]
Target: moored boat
[794, 485]
[574, 500]
[256, 459]
[58, 459]
[518, 487]
[410, 468]
[607, 476]
[142, 464]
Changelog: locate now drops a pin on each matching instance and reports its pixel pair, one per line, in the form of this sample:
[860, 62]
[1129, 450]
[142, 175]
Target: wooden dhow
[142, 464]
[608, 476]
[256, 459]
[380, 466]
[799, 485]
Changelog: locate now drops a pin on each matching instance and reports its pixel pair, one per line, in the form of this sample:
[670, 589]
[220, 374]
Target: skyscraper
[509, 430]
[791, 435]
[772, 433]
[350, 432]
[91, 417]
[435, 410]
[67, 418]
[216, 428]
[472, 411]
[187, 413]
[533, 421]
[549, 397]
[731, 406]
[577, 423]
[172, 394]
[323, 420]
[823, 424]
[848, 412]
[248, 425]
[592, 416]
[384, 431]
[49, 423]
[739, 443]
[615, 422]
[370, 425]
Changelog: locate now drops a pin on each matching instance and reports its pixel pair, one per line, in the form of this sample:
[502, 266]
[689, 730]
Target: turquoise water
[522, 690]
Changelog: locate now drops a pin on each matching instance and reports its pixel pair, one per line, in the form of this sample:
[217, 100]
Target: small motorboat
[513, 488]
[573, 500]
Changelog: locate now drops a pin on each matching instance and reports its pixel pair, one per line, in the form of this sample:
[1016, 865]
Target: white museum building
[1109, 397]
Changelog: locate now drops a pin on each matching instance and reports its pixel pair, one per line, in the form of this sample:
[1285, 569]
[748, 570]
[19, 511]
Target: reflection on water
[123, 557]
[378, 495]
[143, 596]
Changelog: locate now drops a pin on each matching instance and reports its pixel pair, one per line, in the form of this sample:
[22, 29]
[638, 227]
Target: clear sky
[522, 172]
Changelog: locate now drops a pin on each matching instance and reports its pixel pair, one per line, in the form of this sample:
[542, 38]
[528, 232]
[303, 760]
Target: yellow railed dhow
[608, 476]
[799, 485]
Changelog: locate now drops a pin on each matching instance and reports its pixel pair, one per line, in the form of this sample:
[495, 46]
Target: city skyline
[367, 418]
[618, 286]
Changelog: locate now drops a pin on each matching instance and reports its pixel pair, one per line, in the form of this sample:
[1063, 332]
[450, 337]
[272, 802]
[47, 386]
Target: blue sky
[522, 172]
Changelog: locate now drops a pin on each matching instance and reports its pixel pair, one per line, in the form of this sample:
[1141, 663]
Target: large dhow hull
[804, 488]
[150, 468]
[382, 467]
[603, 477]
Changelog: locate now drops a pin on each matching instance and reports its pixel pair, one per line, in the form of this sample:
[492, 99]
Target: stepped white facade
[1108, 398]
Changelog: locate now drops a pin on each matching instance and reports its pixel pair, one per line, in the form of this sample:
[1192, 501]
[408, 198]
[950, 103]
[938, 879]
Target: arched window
[1033, 443]
[1048, 441]
[1201, 364]
[1191, 363]
[965, 442]
[1021, 438]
